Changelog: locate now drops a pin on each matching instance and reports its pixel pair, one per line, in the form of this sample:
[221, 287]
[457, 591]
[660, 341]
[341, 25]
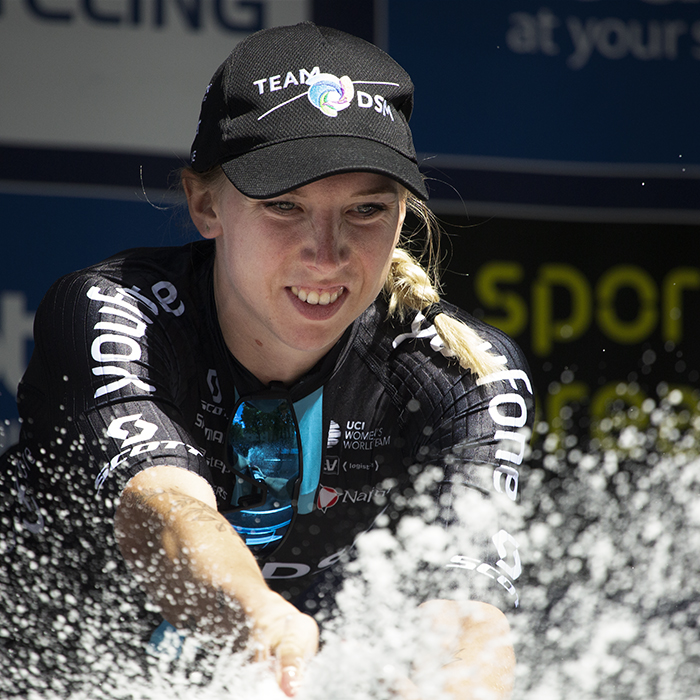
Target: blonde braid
[468, 346]
[410, 287]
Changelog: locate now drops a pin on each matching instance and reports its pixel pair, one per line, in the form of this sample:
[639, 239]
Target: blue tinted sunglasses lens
[264, 453]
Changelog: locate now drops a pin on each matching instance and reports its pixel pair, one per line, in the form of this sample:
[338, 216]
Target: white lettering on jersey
[512, 441]
[481, 567]
[430, 332]
[122, 336]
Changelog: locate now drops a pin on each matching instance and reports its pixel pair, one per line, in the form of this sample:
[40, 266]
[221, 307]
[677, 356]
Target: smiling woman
[278, 260]
[239, 411]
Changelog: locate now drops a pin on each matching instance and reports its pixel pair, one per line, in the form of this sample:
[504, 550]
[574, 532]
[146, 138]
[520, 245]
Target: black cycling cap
[291, 105]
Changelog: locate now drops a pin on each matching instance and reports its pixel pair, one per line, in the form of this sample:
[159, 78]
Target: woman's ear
[200, 202]
[402, 218]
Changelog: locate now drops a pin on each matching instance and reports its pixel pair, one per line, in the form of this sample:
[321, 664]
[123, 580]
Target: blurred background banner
[560, 142]
[118, 75]
[583, 110]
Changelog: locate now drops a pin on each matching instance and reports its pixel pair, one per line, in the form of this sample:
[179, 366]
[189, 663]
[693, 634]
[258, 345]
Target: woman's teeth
[313, 297]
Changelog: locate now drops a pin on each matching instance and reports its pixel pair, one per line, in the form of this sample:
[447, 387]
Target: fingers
[299, 642]
[290, 680]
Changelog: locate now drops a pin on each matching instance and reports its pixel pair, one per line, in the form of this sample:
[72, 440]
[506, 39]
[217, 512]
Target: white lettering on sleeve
[126, 379]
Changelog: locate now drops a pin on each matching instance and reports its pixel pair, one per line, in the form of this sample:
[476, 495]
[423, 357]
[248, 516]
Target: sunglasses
[265, 456]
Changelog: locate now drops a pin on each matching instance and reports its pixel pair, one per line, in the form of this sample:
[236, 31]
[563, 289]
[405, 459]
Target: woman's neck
[270, 366]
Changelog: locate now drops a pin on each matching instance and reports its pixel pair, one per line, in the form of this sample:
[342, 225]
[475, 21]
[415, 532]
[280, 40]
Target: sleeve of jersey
[101, 394]
[480, 442]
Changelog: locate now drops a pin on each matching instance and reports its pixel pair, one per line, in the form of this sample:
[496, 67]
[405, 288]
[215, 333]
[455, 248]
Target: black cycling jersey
[130, 369]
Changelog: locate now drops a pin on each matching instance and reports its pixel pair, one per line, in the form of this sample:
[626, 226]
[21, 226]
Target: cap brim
[279, 168]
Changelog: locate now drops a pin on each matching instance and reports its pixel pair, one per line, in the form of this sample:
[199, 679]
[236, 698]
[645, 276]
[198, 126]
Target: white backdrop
[68, 79]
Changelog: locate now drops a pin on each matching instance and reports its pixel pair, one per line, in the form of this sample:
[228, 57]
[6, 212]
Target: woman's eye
[369, 209]
[282, 206]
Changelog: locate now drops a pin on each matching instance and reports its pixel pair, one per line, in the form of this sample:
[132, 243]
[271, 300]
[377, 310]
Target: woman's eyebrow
[387, 189]
[384, 188]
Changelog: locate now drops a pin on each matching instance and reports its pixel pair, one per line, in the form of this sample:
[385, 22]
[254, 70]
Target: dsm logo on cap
[330, 94]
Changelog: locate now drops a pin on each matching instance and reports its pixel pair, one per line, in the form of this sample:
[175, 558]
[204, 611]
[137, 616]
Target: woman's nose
[326, 248]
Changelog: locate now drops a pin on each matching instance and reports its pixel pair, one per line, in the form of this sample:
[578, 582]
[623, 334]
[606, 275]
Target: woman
[253, 402]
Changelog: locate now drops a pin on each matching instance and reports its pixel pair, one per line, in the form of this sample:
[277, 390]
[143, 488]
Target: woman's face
[293, 272]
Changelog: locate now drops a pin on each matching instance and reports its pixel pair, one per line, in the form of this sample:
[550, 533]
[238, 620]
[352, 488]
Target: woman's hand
[468, 650]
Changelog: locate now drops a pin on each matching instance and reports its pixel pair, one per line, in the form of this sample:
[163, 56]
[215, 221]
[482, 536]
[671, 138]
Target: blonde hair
[411, 286]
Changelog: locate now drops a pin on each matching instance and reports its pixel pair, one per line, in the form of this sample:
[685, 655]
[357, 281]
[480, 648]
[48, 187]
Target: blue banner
[606, 94]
